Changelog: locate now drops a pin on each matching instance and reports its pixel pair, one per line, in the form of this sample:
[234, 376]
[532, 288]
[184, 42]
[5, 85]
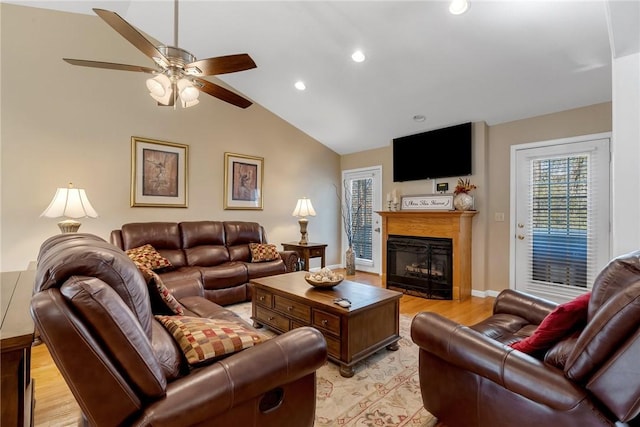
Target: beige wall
[491, 167]
[581, 121]
[62, 123]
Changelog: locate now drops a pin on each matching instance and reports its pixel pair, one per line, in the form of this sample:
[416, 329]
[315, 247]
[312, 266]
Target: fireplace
[420, 266]
[453, 225]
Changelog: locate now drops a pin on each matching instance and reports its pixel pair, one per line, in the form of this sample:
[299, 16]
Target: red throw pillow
[558, 324]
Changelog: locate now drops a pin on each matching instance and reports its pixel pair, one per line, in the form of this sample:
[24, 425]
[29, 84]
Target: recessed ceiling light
[300, 85]
[458, 7]
[358, 56]
[419, 118]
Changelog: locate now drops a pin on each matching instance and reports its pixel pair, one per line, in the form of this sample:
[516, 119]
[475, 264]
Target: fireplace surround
[454, 225]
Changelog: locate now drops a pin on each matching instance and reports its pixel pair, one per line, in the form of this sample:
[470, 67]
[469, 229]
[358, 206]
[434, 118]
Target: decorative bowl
[325, 283]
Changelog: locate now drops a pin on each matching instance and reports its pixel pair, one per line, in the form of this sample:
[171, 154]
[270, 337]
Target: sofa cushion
[146, 256]
[559, 354]
[612, 325]
[163, 236]
[117, 330]
[204, 339]
[557, 325]
[261, 252]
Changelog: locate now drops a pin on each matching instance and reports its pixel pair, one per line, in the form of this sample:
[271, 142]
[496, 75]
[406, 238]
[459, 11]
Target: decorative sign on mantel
[428, 202]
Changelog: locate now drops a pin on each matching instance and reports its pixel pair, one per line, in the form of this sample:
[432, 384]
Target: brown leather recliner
[469, 376]
[91, 306]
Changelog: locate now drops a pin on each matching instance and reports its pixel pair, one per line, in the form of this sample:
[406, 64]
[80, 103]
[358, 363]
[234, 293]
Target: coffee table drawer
[333, 346]
[326, 321]
[263, 298]
[292, 308]
[272, 319]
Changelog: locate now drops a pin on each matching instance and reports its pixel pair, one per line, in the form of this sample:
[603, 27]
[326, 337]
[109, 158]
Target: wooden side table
[310, 250]
[16, 336]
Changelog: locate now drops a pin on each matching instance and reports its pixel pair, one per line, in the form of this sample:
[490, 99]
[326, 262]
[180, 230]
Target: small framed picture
[243, 181]
[158, 173]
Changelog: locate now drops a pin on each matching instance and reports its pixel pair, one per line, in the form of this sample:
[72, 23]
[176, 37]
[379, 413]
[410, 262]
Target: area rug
[384, 392]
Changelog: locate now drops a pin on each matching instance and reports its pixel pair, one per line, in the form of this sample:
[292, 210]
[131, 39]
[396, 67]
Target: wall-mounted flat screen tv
[438, 153]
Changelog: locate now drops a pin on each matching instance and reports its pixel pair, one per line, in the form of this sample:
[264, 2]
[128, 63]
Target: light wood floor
[56, 406]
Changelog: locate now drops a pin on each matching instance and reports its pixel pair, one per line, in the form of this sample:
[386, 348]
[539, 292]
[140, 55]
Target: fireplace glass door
[420, 266]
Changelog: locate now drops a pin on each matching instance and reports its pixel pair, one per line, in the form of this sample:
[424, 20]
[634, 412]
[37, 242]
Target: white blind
[563, 219]
[362, 216]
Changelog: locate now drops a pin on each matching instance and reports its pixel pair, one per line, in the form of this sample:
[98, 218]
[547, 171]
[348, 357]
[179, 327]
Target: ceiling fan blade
[222, 93]
[109, 65]
[132, 35]
[220, 65]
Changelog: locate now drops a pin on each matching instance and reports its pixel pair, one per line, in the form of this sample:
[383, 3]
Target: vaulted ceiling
[498, 62]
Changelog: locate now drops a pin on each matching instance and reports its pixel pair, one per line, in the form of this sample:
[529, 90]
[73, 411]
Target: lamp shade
[160, 89]
[71, 203]
[304, 208]
[187, 91]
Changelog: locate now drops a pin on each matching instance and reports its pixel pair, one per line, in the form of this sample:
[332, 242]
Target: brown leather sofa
[470, 376]
[93, 311]
[210, 258]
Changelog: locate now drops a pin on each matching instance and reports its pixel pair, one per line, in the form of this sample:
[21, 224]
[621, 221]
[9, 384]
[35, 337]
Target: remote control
[343, 303]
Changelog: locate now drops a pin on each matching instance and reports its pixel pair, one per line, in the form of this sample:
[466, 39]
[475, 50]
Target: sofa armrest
[290, 259]
[115, 238]
[217, 388]
[518, 372]
[529, 307]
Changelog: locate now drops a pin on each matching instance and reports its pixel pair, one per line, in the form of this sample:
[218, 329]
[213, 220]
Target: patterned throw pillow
[171, 302]
[261, 252]
[202, 339]
[148, 257]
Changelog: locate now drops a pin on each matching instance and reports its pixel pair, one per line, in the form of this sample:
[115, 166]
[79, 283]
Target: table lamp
[71, 203]
[303, 209]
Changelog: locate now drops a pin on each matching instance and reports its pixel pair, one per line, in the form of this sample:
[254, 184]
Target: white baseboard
[484, 294]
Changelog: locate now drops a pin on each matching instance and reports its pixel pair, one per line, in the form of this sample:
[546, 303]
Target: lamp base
[303, 231]
[69, 226]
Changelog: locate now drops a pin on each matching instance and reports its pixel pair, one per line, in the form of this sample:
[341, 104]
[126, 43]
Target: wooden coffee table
[287, 301]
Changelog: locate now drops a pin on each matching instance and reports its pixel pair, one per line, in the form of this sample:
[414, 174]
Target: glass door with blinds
[362, 191]
[561, 230]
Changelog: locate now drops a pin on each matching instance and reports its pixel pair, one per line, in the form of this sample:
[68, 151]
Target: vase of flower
[350, 261]
[463, 201]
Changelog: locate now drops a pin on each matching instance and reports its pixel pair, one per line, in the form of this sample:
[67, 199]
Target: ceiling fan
[178, 73]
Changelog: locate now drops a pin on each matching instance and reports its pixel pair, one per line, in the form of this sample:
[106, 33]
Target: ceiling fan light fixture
[187, 104]
[458, 7]
[158, 85]
[164, 100]
[187, 91]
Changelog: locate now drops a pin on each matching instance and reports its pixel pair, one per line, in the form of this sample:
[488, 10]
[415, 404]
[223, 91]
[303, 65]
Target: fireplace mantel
[455, 225]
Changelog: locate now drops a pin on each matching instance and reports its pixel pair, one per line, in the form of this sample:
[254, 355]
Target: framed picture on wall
[243, 181]
[159, 171]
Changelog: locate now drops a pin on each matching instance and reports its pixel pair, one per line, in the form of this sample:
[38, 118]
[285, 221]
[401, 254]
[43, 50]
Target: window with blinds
[561, 201]
[362, 216]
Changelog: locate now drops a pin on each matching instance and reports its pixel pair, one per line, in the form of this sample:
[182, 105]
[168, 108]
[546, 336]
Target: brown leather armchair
[470, 376]
[91, 306]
